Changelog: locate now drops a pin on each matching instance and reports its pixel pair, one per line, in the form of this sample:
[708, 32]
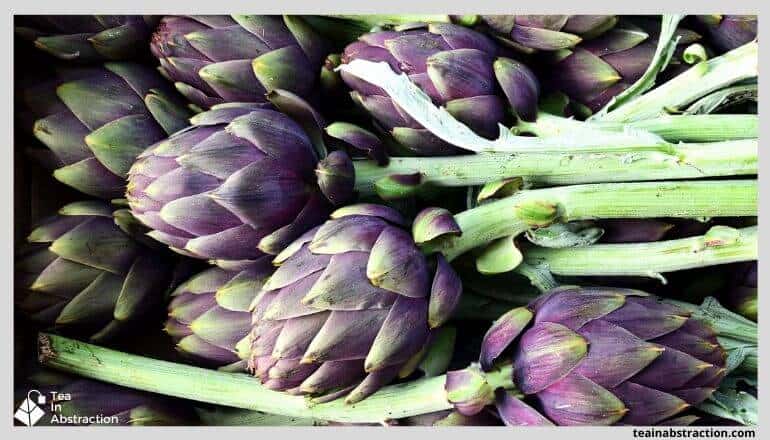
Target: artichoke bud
[601, 356]
[336, 177]
[537, 213]
[398, 186]
[431, 223]
[346, 311]
[468, 390]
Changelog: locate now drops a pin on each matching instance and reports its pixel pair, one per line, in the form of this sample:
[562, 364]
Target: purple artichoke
[214, 59]
[529, 33]
[595, 71]
[597, 356]
[209, 317]
[351, 307]
[88, 38]
[458, 68]
[85, 275]
[726, 32]
[94, 121]
[239, 182]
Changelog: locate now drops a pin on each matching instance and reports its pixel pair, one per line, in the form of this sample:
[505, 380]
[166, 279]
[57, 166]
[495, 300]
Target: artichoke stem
[240, 390]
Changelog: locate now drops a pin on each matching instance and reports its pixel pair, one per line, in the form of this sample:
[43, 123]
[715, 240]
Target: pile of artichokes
[388, 219]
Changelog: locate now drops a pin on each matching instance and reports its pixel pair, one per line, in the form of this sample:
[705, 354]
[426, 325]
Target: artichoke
[596, 70]
[598, 356]
[529, 33]
[96, 120]
[458, 68]
[241, 181]
[209, 318]
[726, 32]
[88, 38]
[214, 59]
[84, 274]
[351, 307]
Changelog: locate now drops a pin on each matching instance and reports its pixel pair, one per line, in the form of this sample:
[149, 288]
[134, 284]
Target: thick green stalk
[676, 161]
[514, 214]
[673, 128]
[240, 390]
[644, 259]
[703, 78]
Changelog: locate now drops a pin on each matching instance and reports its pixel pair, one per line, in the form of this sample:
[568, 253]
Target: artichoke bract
[84, 274]
[94, 121]
[458, 68]
[598, 356]
[350, 307]
[214, 59]
[209, 317]
[89, 38]
[239, 182]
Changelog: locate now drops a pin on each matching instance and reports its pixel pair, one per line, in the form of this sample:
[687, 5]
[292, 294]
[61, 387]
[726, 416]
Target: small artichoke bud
[336, 177]
[468, 390]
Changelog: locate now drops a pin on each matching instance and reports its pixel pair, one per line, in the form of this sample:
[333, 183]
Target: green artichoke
[84, 274]
[94, 121]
